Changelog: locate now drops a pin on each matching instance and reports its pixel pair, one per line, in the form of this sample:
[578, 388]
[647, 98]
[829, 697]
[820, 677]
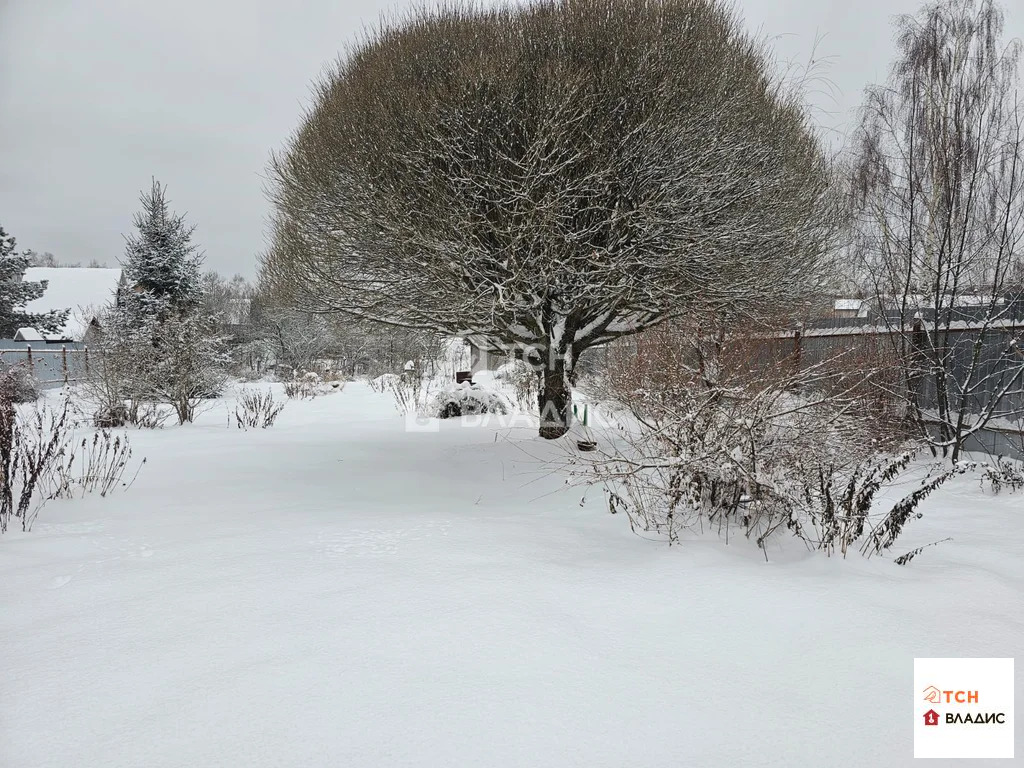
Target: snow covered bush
[717, 434]
[411, 391]
[92, 465]
[304, 385]
[190, 367]
[466, 399]
[257, 409]
[21, 385]
[384, 382]
[522, 380]
[41, 458]
[1002, 474]
[148, 416]
[29, 449]
[139, 369]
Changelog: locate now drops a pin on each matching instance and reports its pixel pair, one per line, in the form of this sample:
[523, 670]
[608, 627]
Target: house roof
[848, 304]
[28, 334]
[83, 290]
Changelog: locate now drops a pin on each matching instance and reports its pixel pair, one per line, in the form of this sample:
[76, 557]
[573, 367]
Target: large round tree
[543, 178]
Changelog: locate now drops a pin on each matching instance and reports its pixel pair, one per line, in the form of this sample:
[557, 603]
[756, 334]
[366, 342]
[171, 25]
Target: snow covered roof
[849, 304]
[28, 334]
[960, 300]
[83, 290]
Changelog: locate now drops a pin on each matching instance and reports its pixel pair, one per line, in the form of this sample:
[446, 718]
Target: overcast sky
[97, 96]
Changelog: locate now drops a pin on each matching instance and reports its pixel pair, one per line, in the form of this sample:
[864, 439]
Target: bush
[304, 385]
[111, 416]
[466, 400]
[19, 385]
[1003, 474]
[92, 465]
[520, 377]
[257, 409]
[29, 450]
[716, 434]
[385, 382]
[177, 362]
[39, 461]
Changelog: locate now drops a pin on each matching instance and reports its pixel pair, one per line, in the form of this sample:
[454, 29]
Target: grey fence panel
[999, 363]
[51, 365]
[995, 374]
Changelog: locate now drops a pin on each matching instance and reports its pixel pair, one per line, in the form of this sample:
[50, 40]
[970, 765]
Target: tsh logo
[934, 696]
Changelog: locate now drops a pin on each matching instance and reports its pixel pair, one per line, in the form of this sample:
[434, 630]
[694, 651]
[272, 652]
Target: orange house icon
[931, 717]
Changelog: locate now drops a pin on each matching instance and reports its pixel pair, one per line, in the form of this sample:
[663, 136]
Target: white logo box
[974, 702]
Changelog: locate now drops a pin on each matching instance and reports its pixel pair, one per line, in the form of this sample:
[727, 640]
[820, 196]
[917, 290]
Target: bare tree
[544, 178]
[938, 194]
[227, 300]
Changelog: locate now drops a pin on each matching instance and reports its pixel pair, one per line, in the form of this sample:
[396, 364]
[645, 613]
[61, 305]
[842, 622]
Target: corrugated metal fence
[995, 376]
[51, 365]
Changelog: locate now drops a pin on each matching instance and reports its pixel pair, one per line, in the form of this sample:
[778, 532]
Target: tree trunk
[555, 398]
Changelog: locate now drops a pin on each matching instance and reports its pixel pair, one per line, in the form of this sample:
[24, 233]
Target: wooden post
[64, 361]
[797, 348]
[86, 361]
[31, 365]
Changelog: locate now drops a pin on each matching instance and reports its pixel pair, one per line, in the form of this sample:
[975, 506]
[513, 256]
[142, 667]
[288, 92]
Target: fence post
[31, 365]
[797, 348]
[87, 361]
[64, 361]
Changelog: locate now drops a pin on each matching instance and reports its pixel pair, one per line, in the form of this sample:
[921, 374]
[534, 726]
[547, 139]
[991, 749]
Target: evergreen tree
[15, 293]
[161, 265]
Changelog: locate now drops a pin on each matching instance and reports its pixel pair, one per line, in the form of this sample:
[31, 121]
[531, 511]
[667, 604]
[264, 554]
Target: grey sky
[97, 96]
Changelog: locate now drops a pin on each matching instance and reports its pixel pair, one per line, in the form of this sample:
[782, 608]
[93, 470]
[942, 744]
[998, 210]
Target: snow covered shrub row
[257, 410]
[466, 399]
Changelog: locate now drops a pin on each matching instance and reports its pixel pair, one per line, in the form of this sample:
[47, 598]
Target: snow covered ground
[335, 591]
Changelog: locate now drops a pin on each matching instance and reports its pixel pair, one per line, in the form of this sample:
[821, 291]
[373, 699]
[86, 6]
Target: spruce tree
[15, 293]
[161, 265]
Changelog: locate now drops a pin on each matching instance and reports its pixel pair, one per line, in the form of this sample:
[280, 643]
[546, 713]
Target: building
[83, 290]
[850, 308]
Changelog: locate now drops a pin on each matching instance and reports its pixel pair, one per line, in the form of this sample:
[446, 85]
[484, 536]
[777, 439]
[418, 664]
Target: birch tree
[547, 177]
[938, 193]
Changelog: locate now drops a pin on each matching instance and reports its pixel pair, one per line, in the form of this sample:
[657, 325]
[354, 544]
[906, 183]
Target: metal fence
[51, 365]
[998, 372]
[985, 368]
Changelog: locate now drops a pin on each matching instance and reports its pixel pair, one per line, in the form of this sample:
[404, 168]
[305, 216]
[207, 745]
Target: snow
[336, 591]
[83, 290]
